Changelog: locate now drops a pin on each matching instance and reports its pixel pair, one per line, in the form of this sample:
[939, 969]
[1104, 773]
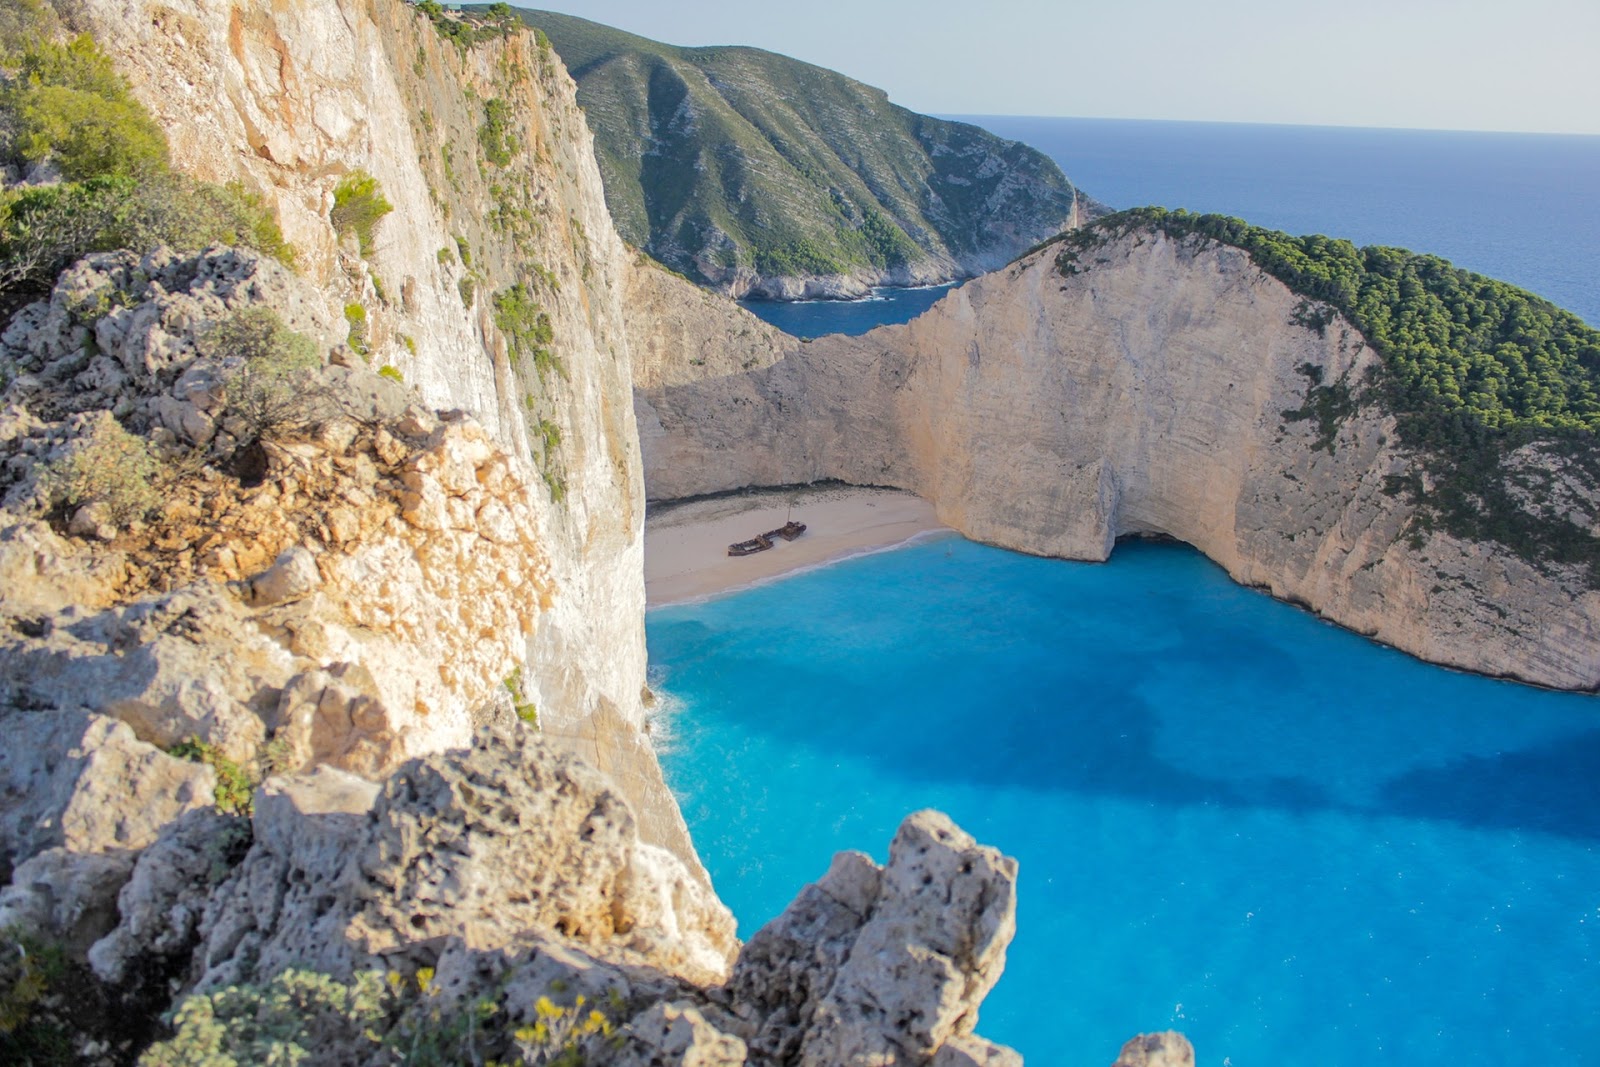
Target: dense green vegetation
[235, 792]
[527, 328]
[788, 168]
[1472, 368]
[64, 107]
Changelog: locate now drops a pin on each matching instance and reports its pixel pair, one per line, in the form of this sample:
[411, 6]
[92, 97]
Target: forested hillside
[736, 166]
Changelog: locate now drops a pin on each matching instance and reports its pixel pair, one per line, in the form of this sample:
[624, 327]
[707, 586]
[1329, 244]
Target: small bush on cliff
[499, 143]
[265, 386]
[358, 206]
[235, 786]
[110, 467]
[65, 105]
[527, 329]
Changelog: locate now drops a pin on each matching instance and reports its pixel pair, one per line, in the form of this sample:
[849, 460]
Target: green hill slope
[751, 171]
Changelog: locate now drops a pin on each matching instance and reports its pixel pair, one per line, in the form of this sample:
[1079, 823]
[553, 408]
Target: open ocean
[1232, 819]
[1524, 208]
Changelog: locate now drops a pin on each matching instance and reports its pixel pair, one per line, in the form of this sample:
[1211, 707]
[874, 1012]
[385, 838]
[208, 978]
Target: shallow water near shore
[1232, 819]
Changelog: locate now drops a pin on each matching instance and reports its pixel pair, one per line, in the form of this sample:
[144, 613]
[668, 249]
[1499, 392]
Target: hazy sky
[1449, 64]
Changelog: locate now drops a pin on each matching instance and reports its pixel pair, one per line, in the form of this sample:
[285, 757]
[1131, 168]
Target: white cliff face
[289, 97]
[1145, 395]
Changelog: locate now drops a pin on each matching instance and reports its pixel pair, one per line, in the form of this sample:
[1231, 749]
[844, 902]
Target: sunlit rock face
[1150, 392]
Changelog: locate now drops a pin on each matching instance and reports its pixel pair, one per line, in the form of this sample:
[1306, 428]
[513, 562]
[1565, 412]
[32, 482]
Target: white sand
[686, 545]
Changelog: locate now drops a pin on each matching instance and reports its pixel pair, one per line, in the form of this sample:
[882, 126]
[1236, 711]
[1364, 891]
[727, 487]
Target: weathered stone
[84, 783]
[484, 844]
[293, 575]
[870, 966]
[67, 897]
[1166, 1049]
[678, 1034]
[156, 922]
[970, 1050]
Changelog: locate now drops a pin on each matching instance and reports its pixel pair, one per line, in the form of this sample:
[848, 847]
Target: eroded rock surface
[886, 965]
[485, 844]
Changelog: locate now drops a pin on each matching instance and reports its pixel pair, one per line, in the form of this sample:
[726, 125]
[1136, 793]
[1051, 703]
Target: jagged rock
[678, 1034]
[69, 897]
[158, 910]
[85, 783]
[881, 966]
[970, 1050]
[484, 844]
[186, 664]
[42, 573]
[79, 797]
[1166, 1049]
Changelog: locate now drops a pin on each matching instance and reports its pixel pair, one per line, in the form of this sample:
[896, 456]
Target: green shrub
[235, 786]
[110, 467]
[358, 206]
[295, 1018]
[304, 1017]
[392, 373]
[464, 250]
[68, 105]
[499, 143]
[44, 229]
[468, 288]
[265, 387]
[526, 327]
[356, 316]
[24, 25]
[525, 709]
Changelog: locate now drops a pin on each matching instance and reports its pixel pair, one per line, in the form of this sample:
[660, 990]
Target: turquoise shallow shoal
[1232, 819]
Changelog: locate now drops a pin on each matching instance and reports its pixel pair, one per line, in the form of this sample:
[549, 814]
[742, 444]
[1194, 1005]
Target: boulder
[1166, 1049]
[885, 965]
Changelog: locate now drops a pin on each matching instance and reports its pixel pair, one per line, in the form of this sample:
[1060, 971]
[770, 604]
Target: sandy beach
[686, 544]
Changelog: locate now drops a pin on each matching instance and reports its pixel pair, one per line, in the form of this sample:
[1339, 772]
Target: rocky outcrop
[515, 875]
[288, 98]
[1149, 392]
[487, 845]
[1165, 1049]
[79, 797]
[883, 965]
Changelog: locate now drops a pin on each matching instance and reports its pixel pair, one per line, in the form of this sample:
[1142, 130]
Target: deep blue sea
[1232, 819]
[1521, 207]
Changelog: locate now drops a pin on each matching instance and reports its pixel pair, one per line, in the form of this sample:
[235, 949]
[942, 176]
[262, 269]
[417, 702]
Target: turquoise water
[1232, 819]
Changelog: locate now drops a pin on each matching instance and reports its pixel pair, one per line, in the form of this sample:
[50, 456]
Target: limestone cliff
[290, 97]
[1144, 394]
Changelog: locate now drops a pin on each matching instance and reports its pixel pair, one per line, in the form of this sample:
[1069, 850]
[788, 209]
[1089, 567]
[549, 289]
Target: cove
[1232, 819]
